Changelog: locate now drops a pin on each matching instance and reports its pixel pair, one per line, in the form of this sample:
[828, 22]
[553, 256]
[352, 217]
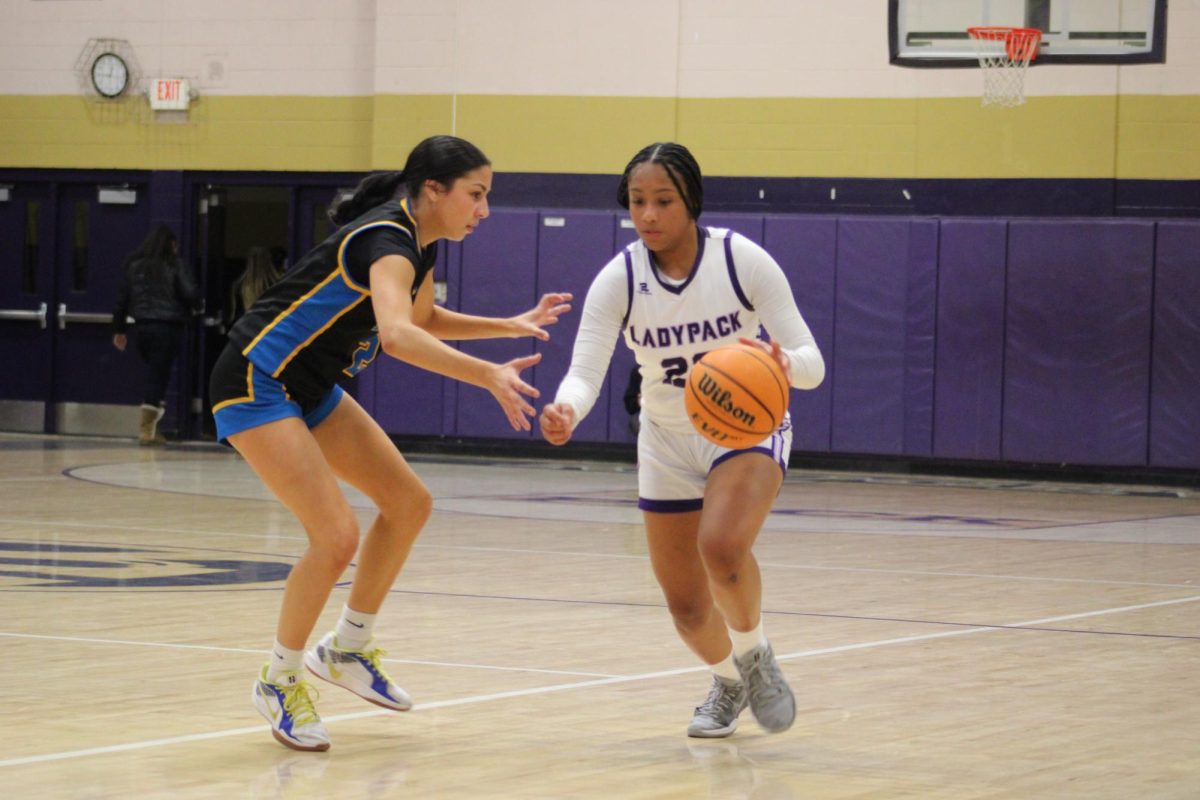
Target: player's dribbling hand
[546, 312]
[773, 350]
[507, 387]
[555, 421]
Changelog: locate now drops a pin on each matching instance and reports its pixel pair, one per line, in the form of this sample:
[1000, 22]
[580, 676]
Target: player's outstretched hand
[774, 351]
[556, 421]
[546, 312]
[507, 387]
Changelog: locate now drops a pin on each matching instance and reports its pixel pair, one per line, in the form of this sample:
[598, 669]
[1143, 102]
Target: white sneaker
[288, 706]
[357, 670]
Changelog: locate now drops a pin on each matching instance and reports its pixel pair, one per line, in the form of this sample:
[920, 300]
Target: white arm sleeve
[769, 292]
[599, 326]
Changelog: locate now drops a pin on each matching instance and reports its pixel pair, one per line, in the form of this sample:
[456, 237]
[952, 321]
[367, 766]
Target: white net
[1004, 56]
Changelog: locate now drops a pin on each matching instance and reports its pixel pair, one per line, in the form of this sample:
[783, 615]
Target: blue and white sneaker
[357, 670]
[288, 705]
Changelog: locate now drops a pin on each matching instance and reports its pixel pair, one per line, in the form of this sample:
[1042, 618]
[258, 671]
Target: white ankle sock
[726, 669]
[284, 659]
[745, 641]
[353, 629]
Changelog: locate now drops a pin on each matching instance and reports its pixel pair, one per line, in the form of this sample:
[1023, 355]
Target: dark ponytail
[438, 158]
[681, 167]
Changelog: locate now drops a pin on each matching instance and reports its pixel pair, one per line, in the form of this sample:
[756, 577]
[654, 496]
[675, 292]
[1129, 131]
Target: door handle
[38, 316]
[90, 317]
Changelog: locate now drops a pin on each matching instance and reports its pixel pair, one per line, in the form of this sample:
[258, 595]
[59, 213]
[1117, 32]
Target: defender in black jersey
[276, 400]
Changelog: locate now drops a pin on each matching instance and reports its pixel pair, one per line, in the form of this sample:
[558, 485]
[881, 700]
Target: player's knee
[415, 504]
[420, 504]
[688, 615]
[723, 556]
[340, 543]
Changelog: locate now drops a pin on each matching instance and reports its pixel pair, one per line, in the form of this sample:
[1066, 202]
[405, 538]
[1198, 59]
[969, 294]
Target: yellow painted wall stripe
[1127, 136]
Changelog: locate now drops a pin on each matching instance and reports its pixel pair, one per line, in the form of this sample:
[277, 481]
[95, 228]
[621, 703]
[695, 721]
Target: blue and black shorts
[245, 397]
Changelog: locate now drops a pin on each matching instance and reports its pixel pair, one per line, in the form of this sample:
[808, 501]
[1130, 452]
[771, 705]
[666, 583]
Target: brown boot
[147, 433]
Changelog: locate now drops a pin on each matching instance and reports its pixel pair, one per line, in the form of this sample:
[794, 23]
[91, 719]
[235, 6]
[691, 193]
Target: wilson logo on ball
[723, 399]
[736, 396]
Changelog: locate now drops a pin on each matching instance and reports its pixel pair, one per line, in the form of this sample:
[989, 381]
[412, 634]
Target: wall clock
[110, 75]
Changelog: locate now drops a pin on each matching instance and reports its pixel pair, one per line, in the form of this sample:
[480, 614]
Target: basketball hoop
[1004, 55]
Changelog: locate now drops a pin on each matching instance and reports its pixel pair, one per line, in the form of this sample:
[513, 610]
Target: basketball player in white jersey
[679, 291]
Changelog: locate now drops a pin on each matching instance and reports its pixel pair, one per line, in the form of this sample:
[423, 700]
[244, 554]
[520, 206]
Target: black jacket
[163, 291]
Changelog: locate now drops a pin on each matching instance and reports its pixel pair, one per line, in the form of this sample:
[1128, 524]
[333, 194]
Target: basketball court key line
[258, 729]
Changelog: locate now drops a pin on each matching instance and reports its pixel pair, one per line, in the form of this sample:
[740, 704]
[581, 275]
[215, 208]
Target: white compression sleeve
[768, 290]
[599, 327]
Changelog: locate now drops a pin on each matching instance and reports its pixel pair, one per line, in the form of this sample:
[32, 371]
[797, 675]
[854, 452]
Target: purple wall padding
[408, 400]
[970, 339]
[1175, 387]
[499, 278]
[806, 249]
[748, 225]
[1077, 345]
[883, 336]
[450, 265]
[572, 247]
[920, 335]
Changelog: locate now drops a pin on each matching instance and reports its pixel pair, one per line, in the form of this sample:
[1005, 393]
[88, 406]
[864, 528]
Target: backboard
[933, 33]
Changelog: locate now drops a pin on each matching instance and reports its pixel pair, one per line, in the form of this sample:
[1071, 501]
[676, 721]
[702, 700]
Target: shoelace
[373, 657]
[721, 698]
[298, 701]
[770, 683]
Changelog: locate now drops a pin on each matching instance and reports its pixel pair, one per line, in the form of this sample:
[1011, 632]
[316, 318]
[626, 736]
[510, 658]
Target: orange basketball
[736, 396]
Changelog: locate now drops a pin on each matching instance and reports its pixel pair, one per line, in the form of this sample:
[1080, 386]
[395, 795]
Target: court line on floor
[575, 553]
[462, 701]
[264, 653]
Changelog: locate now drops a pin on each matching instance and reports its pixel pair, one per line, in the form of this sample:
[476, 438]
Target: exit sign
[169, 94]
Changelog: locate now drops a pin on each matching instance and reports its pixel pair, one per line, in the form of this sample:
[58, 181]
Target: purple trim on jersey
[701, 236]
[629, 286]
[737, 287]
[671, 506]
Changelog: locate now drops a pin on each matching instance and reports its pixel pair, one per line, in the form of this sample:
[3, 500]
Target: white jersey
[734, 287]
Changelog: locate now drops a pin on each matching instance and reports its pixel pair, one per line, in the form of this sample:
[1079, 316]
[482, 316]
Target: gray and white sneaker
[771, 699]
[717, 716]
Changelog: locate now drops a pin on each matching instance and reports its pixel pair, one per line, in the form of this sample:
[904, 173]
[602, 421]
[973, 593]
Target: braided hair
[681, 168]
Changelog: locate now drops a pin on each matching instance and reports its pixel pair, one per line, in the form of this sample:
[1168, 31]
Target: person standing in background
[259, 275]
[158, 291]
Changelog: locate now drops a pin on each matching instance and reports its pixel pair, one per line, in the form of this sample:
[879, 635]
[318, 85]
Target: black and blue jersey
[316, 325]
